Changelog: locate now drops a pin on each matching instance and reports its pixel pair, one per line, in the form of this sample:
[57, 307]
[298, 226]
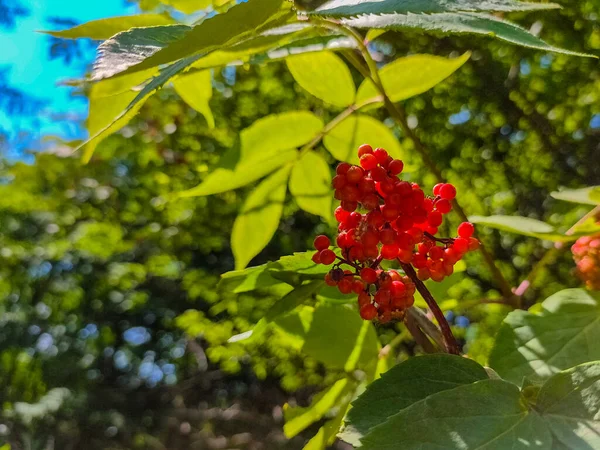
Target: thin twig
[449, 340]
[418, 335]
[428, 327]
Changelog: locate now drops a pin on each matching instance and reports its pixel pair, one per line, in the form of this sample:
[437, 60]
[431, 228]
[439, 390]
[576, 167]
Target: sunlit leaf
[348, 8]
[293, 299]
[460, 23]
[310, 184]
[324, 75]
[196, 90]
[356, 130]
[188, 6]
[564, 334]
[259, 217]
[105, 28]
[405, 384]
[410, 76]
[587, 196]
[524, 226]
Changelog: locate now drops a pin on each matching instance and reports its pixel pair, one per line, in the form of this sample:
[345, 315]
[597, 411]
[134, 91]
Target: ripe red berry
[342, 168]
[363, 299]
[341, 214]
[473, 244]
[327, 257]
[435, 218]
[368, 275]
[448, 191]
[364, 149]
[382, 297]
[381, 155]
[389, 251]
[395, 167]
[316, 258]
[339, 181]
[378, 174]
[444, 206]
[321, 242]
[387, 236]
[436, 189]
[461, 245]
[354, 174]
[368, 161]
[465, 230]
[397, 288]
[368, 312]
[345, 285]
[370, 202]
[358, 287]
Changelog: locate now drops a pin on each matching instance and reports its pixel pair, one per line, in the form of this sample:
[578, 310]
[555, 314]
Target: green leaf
[188, 6]
[126, 49]
[132, 108]
[294, 269]
[487, 414]
[333, 335]
[293, 299]
[224, 179]
[105, 28]
[564, 334]
[259, 217]
[410, 76]
[587, 196]
[348, 8]
[326, 435]
[196, 90]
[238, 23]
[461, 23]
[523, 226]
[247, 280]
[405, 384]
[356, 130]
[278, 132]
[325, 76]
[570, 404]
[265, 146]
[310, 184]
[298, 419]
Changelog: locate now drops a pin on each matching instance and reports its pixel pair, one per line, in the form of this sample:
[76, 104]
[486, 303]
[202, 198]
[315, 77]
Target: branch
[449, 340]
[417, 333]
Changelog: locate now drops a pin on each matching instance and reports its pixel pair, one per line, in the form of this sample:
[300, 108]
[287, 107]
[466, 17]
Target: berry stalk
[449, 339]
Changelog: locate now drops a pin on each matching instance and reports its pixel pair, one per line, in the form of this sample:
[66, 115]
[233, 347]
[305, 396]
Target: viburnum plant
[541, 388]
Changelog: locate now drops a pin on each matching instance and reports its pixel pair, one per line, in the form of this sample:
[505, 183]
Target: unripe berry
[368, 161]
[327, 257]
[368, 275]
[368, 312]
[321, 242]
[448, 191]
[466, 230]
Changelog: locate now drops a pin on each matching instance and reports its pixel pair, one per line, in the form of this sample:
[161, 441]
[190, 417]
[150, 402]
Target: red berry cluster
[398, 222]
[586, 253]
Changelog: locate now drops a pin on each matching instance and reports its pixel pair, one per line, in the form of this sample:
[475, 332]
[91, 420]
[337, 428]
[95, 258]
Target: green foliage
[105, 28]
[410, 76]
[196, 90]
[325, 76]
[587, 196]
[561, 336]
[310, 184]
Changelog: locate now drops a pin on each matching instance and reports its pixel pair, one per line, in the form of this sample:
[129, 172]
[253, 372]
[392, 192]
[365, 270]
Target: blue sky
[26, 53]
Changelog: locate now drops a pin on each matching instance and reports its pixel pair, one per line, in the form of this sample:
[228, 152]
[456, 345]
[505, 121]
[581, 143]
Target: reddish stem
[449, 339]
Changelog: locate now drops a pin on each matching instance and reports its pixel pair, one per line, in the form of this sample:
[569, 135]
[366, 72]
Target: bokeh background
[113, 334]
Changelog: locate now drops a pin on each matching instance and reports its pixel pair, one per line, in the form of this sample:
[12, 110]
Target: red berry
[370, 238]
[341, 214]
[366, 185]
[349, 206]
[378, 174]
[404, 223]
[444, 206]
[388, 251]
[368, 161]
[327, 257]
[419, 261]
[473, 244]
[461, 245]
[345, 285]
[342, 168]
[397, 288]
[339, 181]
[405, 241]
[448, 191]
[368, 275]
[435, 218]
[321, 242]
[329, 281]
[363, 299]
[394, 276]
[316, 258]
[368, 312]
[364, 149]
[465, 230]
[354, 174]
[436, 253]
[381, 155]
[387, 236]
[396, 166]
[423, 274]
[370, 202]
[382, 297]
[358, 287]
[436, 189]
